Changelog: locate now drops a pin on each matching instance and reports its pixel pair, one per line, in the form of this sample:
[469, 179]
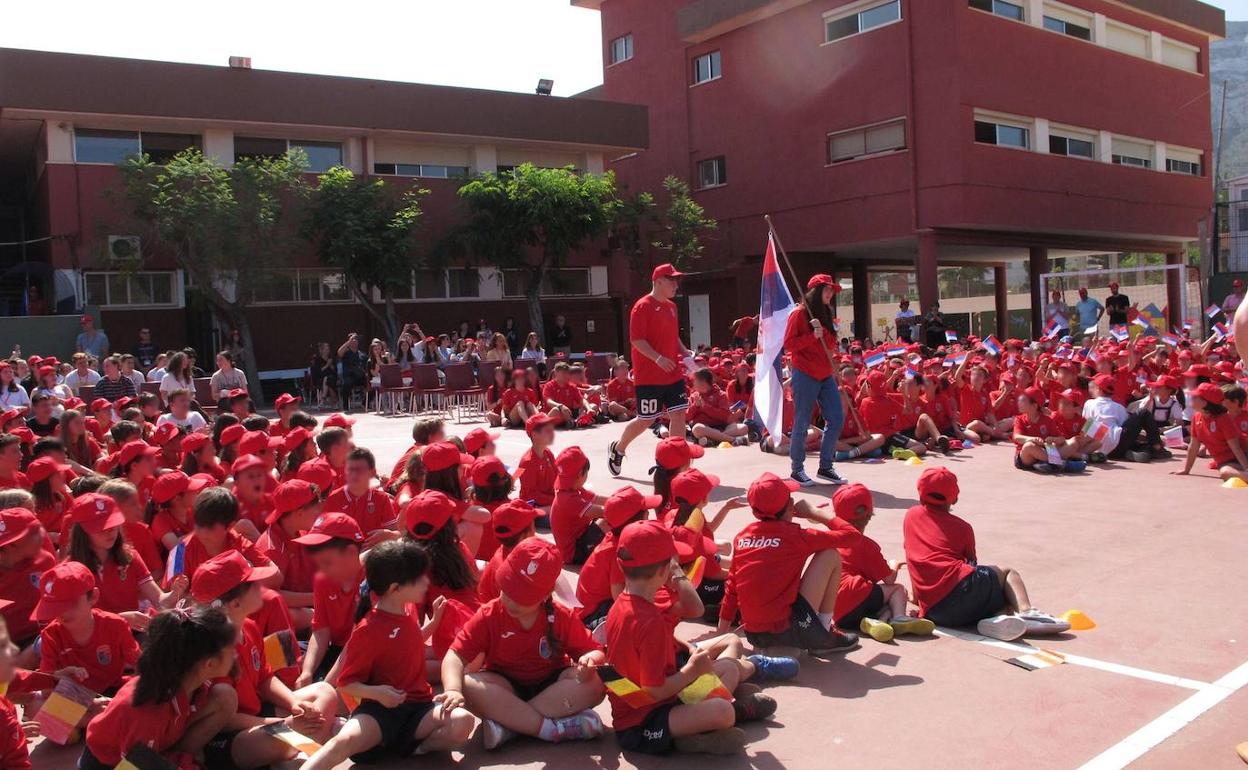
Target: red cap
[693, 486]
[44, 371]
[443, 455]
[570, 463]
[1209, 392]
[1198, 370]
[60, 588]
[169, 486]
[247, 462]
[96, 513]
[86, 318]
[1104, 382]
[225, 572]
[292, 441]
[200, 482]
[823, 279]
[165, 433]
[330, 526]
[193, 442]
[72, 403]
[878, 382]
[486, 469]
[26, 435]
[1167, 381]
[44, 468]
[1237, 284]
[254, 441]
[690, 544]
[769, 495]
[236, 393]
[286, 399]
[626, 503]
[12, 414]
[674, 452]
[290, 496]
[1073, 396]
[338, 420]
[938, 486]
[666, 270]
[1035, 394]
[318, 471]
[537, 422]
[645, 542]
[134, 450]
[477, 438]
[513, 517]
[123, 402]
[15, 524]
[433, 508]
[848, 499]
[529, 573]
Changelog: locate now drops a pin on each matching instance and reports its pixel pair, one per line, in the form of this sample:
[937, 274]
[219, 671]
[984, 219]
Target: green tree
[683, 224]
[225, 227]
[366, 229]
[531, 219]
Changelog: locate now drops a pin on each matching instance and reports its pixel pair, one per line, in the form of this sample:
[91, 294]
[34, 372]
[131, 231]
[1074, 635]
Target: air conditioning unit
[124, 249]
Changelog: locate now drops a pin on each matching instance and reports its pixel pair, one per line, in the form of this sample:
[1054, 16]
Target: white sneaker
[494, 735]
[1042, 623]
[1007, 628]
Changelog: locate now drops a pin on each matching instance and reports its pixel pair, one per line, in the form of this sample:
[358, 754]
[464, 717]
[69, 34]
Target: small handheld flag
[1212, 311]
[875, 359]
[624, 688]
[1188, 323]
[279, 650]
[63, 710]
[992, 345]
[1170, 340]
[1092, 357]
[704, 687]
[1221, 330]
[1095, 430]
[696, 571]
[951, 335]
[952, 361]
[176, 563]
[1119, 332]
[1141, 321]
[1064, 353]
[1034, 661]
[1091, 331]
[895, 351]
[696, 520]
[1173, 437]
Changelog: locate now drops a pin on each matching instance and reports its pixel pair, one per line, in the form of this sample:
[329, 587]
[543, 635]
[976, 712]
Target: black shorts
[896, 441]
[219, 751]
[868, 608]
[586, 543]
[653, 735]
[909, 433]
[711, 591]
[398, 729]
[527, 692]
[327, 663]
[599, 615]
[805, 630]
[977, 596]
[656, 400]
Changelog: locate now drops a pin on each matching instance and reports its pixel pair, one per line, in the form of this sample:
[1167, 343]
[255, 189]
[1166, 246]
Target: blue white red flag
[1221, 330]
[893, 352]
[1170, 340]
[773, 316]
[952, 361]
[1212, 311]
[951, 335]
[1119, 332]
[1051, 328]
[992, 345]
[875, 359]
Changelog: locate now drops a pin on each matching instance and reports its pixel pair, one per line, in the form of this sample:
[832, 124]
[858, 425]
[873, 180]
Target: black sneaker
[752, 706]
[615, 460]
[942, 443]
[1042, 468]
[830, 474]
[1139, 456]
[1161, 453]
[841, 641]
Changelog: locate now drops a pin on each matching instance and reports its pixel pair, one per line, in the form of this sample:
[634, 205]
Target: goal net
[1147, 299]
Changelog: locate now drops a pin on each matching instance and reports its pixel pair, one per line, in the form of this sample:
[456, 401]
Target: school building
[67, 122]
[909, 136]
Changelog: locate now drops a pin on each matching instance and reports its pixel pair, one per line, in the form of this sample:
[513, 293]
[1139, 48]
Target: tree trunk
[533, 298]
[233, 312]
[366, 301]
[251, 368]
[393, 327]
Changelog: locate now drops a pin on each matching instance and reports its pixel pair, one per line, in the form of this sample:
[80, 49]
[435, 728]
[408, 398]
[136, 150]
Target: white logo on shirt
[760, 542]
[394, 633]
[508, 634]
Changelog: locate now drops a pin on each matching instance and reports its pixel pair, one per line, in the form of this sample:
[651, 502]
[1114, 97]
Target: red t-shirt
[387, 649]
[298, 570]
[109, 652]
[1216, 435]
[710, 408]
[20, 585]
[567, 519]
[487, 586]
[938, 408]
[1042, 427]
[333, 607]
[119, 586]
[140, 538]
[164, 523]
[158, 726]
[641, 648]
[537, 476]
[194, 554]
[743, 327]
[256, 512]
[655, 321]
[1066, 427]
[274, 616]
[880, 414]
[973, 404]
[17, 481]
[51, 515]
[600, 571]
[621, 391]
[568, 394]
[250, 670]
[766, 572]
[862, 566]
[940, 550]
[513, 396]
[522, 655]
[13, 752]
[373, 510]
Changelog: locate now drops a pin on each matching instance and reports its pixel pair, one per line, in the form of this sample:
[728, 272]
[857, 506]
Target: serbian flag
[1170, 340]
[875, 359]
[1212, 311]
[1051, 328]
[992, 345]
[952, 361]
[175, 564]
[773, 316]
[1142, 321]
[951, 335]
[1119, 332]
[895, 352]
[1221, 330]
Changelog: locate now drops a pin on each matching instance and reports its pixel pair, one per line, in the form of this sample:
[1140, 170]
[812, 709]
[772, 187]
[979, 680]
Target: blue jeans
[806, 392]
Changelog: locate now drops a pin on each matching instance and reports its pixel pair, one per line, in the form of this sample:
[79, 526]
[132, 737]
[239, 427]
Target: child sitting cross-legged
[538, 673]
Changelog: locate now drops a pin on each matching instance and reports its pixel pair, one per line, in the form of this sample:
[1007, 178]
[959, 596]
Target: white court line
[1140, 742]
[1079, 660]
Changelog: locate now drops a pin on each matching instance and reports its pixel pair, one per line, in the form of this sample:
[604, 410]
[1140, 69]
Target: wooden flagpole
[784, 257]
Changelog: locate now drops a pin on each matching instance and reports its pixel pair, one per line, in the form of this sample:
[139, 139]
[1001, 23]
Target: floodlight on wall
[545, 86]
[240, 62]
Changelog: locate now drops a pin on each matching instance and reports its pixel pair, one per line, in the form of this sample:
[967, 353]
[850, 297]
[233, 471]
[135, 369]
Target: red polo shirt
[600, 571]
[334, 606]
[655, 321]
[862, 566]
[373, 510]
[105, 655]
[537, 476]
[387, 649]
[158, 726]
[567, 519]
[298, 570]
[939, 550]
[641, 648]
[522, 654]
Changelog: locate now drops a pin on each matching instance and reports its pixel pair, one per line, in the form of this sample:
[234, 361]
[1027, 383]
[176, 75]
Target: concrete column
[1159, 156]
[1105, 147]
[219, 145]
[1035, 12]
[1098, 28]
[1000, 285]
[484, 158]
[926, 264]
[1154, 46]
[1040, 135]
[1174, 291]
[862, 300]
[1039, 264]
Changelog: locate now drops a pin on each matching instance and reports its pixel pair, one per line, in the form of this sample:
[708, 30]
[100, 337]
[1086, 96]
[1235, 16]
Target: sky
[499, 44]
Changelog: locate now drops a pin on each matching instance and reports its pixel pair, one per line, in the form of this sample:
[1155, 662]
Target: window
[1067, 28]
[129, 289]
[1243, 219]
[161, 148]
[421, 170]
[441, 284]
[1000, 8]
[1070, 146]
[1182, 167]
[706, 67]
[860, 142]
[1175, 54]
[559, 282]
[839, 27]
[712, 172]
[621, 49]
[1002, 134]
[1121, 37]
[463, 282]
[298, 286]
[1131, 153]
[257, 148]
[322, 156]
[99, 146]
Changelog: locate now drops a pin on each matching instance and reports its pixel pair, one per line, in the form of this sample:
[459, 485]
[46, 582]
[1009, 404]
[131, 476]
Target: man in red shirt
[782, 604]
[743, 331]
[654, 334]
[950, 586]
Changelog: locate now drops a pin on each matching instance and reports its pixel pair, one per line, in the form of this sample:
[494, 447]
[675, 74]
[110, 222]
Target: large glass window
[428, 171]
[93, 145]
[1002, 134]
[1000, 8]
[1067, 28]
[258, 147]
[877, 16]
[161, 148]
[621, 49]
[858, 142]
[129, 289]
[299, 286]
[322, 156]
[706, 67]
[559, 282]
[1071, 146]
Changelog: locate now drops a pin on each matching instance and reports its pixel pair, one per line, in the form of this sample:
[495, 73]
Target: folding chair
[598, 367]
[485, 373]
[464, 392]
[203, 395]
[87, 394]
[392, 385]
[427, 387]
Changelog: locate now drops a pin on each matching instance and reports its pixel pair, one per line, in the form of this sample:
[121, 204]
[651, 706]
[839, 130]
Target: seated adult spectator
[128, 370]
[533, 350]
[353, 375]
[92, 341]
[193, 357]
[12, 394]
[324, 372]
[112, 385]
[499, 351]
[178, 375]
[46, 385]
[226, 377]
[82, 374]
[157, 372]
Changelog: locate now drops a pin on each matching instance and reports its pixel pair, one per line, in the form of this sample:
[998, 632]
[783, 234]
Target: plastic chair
[392, 385]
[464, 392]
[485, 373]
[598, 367]
[427, 387]
[87, 393]
[203, 394]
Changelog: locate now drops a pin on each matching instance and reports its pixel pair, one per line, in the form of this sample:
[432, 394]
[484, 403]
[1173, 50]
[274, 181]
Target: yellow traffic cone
[725, 445]
[1078, 621]
[914, 461]
[1234, 483]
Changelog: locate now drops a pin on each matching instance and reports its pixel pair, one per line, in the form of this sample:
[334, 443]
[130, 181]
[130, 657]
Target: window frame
[421, 167]
[589, 284]
[857, 10]
[175, 289]
[864, 130]
[992, 9]
[446, 294]
[721, 172]
[714, 67]
[297, 276]
[1002, 121]
[1072, 134]
[197, 142]
[626, 41]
